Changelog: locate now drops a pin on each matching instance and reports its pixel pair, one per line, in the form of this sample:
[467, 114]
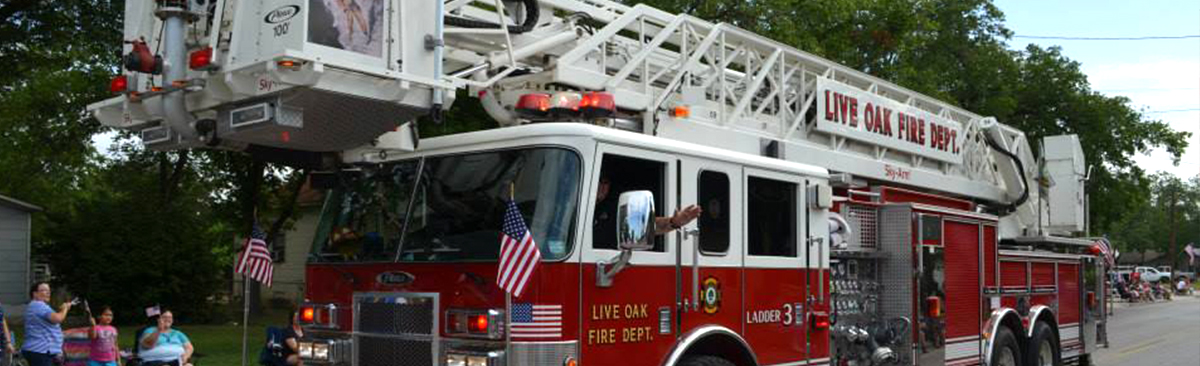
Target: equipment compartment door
[712, 291]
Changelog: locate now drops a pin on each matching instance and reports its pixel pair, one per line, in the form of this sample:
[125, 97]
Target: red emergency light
[201, 59]
[934, 306]
[597, 105]
[534, 105]
[119, 84]
[308, 314]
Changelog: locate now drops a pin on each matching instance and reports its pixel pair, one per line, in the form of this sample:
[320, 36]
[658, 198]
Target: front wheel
[1006, 352]
[1043, 347]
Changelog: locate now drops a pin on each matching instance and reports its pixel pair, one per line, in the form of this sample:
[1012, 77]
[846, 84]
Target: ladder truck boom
[292, 78]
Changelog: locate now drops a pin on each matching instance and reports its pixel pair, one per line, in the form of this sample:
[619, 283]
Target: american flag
[255, 261]
[519, 255]
[531, 321]
[1107, 251]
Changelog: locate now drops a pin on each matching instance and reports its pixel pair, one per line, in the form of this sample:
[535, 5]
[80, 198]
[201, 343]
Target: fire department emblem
[710, 295]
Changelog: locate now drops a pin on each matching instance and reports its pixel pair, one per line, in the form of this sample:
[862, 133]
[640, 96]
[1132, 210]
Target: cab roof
[612, 136]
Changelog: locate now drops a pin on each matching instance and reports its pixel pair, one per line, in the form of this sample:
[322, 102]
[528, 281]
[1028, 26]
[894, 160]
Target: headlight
[456, 360]
[495, 358]
[477, 361]
[320, 351]
[306, 349]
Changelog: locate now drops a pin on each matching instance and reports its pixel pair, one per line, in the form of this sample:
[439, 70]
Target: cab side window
[771, 217]
[623, 174]
[713, 197]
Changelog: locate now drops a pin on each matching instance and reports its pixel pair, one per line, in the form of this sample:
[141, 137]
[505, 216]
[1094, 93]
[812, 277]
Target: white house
[16, 226]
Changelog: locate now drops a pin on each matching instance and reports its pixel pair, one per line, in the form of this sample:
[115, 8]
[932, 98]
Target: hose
[531, 19]
[1011, 207]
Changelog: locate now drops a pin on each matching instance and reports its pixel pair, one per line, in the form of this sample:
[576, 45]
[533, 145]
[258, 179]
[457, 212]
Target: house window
[279, 247]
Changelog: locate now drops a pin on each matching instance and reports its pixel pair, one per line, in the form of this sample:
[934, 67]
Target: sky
[1160, 77]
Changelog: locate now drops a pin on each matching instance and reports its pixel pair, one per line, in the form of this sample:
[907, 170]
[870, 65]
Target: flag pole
[245, 314]
[512, 197]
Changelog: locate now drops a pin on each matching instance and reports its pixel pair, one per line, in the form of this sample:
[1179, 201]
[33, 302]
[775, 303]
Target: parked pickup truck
[1176, 275]
[1148, 274]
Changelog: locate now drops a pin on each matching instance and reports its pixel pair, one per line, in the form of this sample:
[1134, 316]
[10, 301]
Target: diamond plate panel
[896, 269]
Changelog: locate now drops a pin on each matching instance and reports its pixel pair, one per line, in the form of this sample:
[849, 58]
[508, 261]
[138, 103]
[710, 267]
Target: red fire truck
[845, 220]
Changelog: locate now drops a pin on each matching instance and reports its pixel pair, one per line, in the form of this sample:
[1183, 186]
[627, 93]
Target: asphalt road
[1162, 333]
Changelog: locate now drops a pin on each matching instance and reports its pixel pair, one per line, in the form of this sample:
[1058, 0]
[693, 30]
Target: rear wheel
[1006, 351]
[705, 361]
[1043, 347]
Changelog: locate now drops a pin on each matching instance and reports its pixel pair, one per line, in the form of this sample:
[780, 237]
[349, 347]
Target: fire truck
[844, 220]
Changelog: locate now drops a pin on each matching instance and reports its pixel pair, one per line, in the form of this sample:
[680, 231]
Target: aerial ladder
[321, 82]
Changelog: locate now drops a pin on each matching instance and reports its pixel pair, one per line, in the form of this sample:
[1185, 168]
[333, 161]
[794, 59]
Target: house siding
[14, 255]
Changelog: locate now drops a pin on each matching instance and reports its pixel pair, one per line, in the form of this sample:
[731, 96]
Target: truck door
[631, 314]
[776, 269]
[710, 275]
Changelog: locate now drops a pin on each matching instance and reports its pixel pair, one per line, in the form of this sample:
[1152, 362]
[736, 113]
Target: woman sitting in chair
[164, 346]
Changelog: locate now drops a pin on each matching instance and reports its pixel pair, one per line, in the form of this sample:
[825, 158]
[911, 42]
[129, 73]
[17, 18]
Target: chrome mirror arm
[604, 276]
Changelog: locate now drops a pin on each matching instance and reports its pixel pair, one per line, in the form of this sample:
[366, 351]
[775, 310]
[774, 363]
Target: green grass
[216, 345]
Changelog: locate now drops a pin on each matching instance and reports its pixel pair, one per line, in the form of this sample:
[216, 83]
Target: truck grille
[543, 353]
[395, 328]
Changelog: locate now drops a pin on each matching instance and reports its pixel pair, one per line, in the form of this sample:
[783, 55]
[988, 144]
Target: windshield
[450, 208]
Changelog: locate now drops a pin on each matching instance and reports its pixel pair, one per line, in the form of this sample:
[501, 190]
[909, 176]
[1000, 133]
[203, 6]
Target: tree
[129, 248]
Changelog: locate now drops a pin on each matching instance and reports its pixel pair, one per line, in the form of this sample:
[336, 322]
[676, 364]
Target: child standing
[104, 351]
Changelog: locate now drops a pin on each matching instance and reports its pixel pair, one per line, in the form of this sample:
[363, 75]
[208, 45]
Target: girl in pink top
[104, 350]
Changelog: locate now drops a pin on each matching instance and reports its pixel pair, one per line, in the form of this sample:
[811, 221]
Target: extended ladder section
[331, 75]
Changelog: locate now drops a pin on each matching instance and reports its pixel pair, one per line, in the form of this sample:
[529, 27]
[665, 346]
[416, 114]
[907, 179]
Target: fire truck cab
[744, 282]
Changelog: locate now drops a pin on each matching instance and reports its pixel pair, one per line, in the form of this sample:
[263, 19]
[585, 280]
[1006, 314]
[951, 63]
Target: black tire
[704, 361]
[1006, 349]
[1039, 355]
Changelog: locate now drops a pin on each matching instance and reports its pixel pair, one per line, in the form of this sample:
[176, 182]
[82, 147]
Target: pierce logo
[397, 278]
[282, 14]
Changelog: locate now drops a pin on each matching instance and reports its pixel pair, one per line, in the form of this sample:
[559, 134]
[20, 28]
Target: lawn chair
[272, 352]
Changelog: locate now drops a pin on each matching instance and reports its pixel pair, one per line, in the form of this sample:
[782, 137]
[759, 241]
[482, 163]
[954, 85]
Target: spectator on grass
[6, 342]
[43, 332]
[165, 346]
[103, 350]
[291, 340]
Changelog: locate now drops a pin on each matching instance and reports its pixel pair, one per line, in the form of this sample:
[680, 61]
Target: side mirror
[635, 220]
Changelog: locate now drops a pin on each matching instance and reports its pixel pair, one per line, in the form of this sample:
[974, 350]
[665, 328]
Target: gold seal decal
[710, 295]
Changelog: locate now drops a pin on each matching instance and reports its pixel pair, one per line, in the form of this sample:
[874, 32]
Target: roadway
[1149, 334]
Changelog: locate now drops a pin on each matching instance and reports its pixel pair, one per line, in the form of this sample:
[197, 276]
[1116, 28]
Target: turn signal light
[119, 84]
[681, 112]
[534, 105]
[201, 59]
[477, 324]
[597, 105]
